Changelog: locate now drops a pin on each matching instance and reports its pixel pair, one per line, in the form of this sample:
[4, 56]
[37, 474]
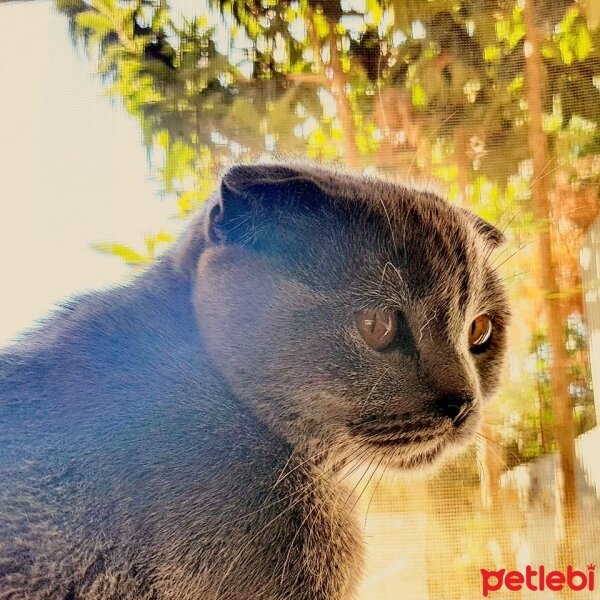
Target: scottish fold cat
[188, 435]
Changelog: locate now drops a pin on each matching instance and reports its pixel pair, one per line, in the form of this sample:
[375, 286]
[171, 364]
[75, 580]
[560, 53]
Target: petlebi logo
[538, 580]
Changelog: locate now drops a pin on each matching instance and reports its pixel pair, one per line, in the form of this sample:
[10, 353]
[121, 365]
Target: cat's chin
[415, 458]
[415, 452]
[423, 457]
[424, 462]
[393, 461]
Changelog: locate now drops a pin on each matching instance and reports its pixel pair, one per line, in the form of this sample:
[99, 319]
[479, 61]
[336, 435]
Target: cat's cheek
[247, 315]
[232, 296]
[491, 365]
[490, 377]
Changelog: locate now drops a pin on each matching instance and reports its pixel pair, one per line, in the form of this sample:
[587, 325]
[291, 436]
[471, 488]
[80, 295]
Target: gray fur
[185, 436]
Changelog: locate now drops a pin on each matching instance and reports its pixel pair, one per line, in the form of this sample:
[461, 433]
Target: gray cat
[189, 436]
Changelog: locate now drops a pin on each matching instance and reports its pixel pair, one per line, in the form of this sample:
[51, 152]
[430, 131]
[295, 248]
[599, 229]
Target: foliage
[435, 87]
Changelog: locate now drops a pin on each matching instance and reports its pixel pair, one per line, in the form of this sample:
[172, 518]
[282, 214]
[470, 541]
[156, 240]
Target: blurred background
[116, 117]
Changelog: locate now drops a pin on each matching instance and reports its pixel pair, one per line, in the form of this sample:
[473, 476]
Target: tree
[498, 99]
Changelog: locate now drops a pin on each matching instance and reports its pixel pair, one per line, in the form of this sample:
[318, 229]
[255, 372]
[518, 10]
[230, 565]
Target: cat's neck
[129, 343]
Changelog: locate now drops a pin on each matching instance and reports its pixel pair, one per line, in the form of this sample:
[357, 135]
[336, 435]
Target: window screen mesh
[494, 102]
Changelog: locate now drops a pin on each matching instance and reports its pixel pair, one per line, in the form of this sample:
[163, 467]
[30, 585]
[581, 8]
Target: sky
[73, 170]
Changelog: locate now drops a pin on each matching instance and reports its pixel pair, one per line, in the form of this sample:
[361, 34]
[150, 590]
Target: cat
[189, 435]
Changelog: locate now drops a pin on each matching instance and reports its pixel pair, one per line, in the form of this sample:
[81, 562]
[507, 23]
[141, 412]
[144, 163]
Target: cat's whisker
[499, 254]
[281, 474]
[396, 270]
[497, 444]
[504, 228]
[300, 496]
[364, 404]
[387, 464]
[352, 456]
[516, 214]
[429, 138]
[387, 216]
[312, 456]
[426, 325]
[365, 487]
[544, 173]
[519, 273]
[373, 459]
[315, 506]
[522, 247]
[494, 446]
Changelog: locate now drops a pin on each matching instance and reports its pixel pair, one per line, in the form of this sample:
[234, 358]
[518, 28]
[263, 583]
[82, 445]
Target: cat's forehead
[412, 222]
[331, 227]
[422, 250]
[407, 207]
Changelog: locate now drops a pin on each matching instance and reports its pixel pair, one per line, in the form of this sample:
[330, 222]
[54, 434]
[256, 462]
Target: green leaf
[179, 161]
[151, 242]
[584, 43]
[419, 97]
[100, 25]
[127, 254]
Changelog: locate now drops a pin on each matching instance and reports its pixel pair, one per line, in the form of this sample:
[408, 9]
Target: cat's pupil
[377, 327]
[480, 331]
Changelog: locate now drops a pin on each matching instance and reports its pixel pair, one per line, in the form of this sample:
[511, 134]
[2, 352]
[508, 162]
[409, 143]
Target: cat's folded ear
[252, 199]
[491, 234]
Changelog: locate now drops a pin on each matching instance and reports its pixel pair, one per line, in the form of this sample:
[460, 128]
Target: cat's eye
[377, 327]
[480, 332]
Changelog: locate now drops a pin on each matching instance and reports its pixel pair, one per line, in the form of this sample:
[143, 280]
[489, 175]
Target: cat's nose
[457, 406]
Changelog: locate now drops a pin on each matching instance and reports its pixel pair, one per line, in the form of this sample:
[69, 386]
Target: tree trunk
[561, 402]
[335, 80]
[462, 163]
[338, 89]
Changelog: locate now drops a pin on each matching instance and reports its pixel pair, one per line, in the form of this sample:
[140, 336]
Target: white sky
[73, 170]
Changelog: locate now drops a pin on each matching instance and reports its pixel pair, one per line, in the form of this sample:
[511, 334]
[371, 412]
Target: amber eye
[377, 327]
[480, 331]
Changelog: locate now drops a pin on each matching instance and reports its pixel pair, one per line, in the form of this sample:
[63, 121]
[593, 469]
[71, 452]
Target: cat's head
[349, 311]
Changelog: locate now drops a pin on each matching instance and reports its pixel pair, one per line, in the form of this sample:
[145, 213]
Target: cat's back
[115, 438]
[80, 398]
